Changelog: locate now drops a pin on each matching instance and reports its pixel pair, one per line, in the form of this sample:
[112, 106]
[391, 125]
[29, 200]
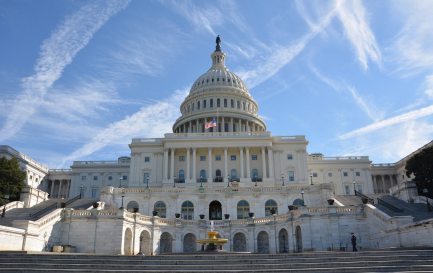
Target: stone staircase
[46, 207]
[349, 200]
[397, 260]
[416, 210]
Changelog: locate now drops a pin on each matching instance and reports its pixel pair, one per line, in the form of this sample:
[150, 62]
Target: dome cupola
[218, 101]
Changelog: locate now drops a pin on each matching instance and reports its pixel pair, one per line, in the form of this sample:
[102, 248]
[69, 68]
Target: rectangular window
[146, 178]
[125, 177]
[291, 176]
[94, 192]
[344, 173]
[217, 158]
[232, 157]
[181, 158]
[232, 103]
[314, 174]
[347, 189]
[110, 178]
[359, 188]
[358, 174]
[147, 159]
[202, 158]
[83, 177]
[204, 104]
[211, 103]
[253, 157]
[289, 156]
[330, 174]
[95, 178]
[225, 102]
[198, 105]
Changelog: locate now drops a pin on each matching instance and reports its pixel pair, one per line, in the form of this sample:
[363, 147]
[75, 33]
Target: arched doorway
[165, 243]
[263, 242]
[298, 235]
[215, 210]
[189, 244]
[145, 243]
[283, 241]
[239, 242]
[127, 242]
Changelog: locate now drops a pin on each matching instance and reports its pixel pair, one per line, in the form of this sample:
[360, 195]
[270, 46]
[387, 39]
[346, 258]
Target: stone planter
[177, 215]
[291, 207]
[201, 216]
[364, 200]
[330, 202]
[226, 216]
[251, 214]
[95, 205]
[57, 249]
[154, 213]
[135, 210]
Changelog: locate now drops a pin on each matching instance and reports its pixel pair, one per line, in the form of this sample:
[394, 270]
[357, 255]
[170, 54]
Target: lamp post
[273, 212]
[302, 194]
[425, 191]
[123, 195]
[354, 187]
[120, 181]
[228, 181]
[255, 180]
[282, 179]
[6, 198]
[201, 181]
[147, 182]
[311, 179]
[81, 191]
[174, 181]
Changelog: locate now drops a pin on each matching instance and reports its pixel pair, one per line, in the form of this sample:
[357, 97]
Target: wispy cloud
[412, 115]
[412, 48]
[352, 15]
[150, 121]
[58, 51]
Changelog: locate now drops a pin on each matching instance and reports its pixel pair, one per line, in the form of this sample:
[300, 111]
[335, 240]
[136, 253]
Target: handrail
[35, 215]
[72, 200]
[388, 205]
[360, 194]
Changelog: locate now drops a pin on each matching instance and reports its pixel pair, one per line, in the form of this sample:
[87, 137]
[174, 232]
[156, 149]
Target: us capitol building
[264, 193]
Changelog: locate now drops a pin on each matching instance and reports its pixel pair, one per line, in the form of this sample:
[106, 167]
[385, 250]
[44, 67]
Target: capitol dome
[219, 101]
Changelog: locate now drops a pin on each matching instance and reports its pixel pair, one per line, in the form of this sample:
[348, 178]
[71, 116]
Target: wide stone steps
[366, 261]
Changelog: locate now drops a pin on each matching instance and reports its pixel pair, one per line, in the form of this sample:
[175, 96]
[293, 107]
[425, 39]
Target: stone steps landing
[366, 261]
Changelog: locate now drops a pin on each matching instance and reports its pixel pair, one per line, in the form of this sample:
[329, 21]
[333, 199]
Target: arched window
[233, 174]
[232, 103]
[243, 209]
[271, 207]
[218, 173]
[218, 102]
[204, 103]
[198, 105]
[131, 206]
[181, 176]
[202, 175]
[218, 176]
[161, 209]
[187, 210]
[225, 102]
[192, 106]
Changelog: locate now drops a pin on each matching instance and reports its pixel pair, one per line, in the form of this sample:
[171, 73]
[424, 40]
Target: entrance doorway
[298, 235]
[215, 210]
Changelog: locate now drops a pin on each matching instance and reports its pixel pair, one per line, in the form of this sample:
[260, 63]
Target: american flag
[210, 124]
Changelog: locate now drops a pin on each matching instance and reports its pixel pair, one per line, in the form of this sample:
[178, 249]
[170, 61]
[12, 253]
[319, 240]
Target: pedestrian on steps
[353, 239]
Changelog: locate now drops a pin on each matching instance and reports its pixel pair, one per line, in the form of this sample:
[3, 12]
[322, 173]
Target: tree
[11, 179]
[421, 166]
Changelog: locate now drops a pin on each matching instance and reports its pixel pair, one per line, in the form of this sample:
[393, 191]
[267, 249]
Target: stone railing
[12, 205]
[313, 158]
[219, 134]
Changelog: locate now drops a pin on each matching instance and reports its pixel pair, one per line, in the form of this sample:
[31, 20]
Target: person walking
[353, 239]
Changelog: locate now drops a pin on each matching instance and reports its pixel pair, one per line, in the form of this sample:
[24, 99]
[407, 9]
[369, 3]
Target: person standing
[353, 239]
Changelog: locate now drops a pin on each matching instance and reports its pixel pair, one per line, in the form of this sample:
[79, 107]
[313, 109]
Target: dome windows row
[217, 103]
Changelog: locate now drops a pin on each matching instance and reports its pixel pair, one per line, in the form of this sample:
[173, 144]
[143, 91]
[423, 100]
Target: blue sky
[79, 79]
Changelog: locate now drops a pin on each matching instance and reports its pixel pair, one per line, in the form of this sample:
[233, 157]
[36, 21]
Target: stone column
[271, 163]
[263, 163]
[383, 184]
[223, 125]
[194, 156]
[209, 156]
[241, 153]
[196, 126]
[188, 165]
[165, 164]
[172, 163]
[240, 125]
[60, 187]
[248, 162]
[225, 166]
[231, 125]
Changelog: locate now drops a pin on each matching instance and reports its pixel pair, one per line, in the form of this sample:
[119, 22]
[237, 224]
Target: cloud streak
[357, 30]
[56, 53]
[149, 121]
[412, 115]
